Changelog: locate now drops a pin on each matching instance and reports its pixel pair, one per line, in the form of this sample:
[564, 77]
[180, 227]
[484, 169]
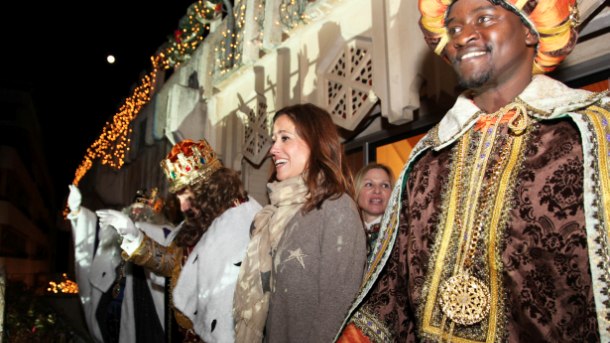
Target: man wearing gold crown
[204, 253]
[497, 229]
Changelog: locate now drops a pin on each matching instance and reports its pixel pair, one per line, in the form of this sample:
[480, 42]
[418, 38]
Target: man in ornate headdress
[203, 255]
[497, 229]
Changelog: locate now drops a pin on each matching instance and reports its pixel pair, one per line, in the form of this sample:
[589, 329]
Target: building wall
[26, 229]
[279, 62]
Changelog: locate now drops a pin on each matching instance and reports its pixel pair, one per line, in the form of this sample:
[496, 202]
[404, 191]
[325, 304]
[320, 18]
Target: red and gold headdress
[146, 207]
[554, 21]
[188, 163]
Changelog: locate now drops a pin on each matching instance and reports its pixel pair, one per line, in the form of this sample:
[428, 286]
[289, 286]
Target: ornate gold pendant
[464, 299]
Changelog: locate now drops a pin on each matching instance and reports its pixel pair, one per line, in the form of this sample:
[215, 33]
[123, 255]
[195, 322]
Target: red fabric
[489, 119]
[183, 147]
[352, 334]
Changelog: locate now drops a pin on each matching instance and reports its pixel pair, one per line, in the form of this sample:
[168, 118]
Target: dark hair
[212, 198]
[171, 209]
[327, 174]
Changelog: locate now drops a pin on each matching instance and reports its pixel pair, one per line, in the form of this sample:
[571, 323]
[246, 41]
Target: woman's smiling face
[374, 193]
[289, 151]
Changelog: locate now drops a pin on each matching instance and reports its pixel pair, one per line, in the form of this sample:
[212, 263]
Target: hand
[74, 199]
[120, 222]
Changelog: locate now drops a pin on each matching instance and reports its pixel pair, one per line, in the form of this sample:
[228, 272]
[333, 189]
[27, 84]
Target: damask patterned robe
[541, 216]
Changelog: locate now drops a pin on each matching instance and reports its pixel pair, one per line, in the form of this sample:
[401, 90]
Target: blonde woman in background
[374, 183]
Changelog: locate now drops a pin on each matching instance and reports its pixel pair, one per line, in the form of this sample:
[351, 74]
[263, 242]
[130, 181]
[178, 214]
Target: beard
[189, 214]
[474, 81]
[475, 78]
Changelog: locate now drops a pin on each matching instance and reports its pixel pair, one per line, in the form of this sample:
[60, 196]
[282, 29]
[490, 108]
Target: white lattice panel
[347, 84]
[257, 139]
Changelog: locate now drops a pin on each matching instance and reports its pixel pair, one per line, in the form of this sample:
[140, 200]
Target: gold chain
[464, 298]
[497, 168]
[116, 288]
[517, 124]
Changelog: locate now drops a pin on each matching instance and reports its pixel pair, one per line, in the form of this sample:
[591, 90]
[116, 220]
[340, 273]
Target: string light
[111, 146]
[113, 143]
[65, 286]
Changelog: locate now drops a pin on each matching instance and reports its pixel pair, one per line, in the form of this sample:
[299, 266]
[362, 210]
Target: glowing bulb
[110, 59]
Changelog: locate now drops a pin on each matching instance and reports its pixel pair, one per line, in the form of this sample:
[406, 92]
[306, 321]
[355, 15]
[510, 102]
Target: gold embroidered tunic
[496, 234]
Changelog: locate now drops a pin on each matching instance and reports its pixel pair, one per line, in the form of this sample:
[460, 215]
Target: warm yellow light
[65, 286]
[114, 140]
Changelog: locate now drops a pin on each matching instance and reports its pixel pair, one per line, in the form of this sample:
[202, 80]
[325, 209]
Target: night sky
[57, 52]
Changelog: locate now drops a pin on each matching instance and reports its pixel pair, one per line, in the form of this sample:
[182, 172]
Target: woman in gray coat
[308, 249]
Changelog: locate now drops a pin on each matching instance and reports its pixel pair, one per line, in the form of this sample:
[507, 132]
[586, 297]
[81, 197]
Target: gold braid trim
[374, 329]
[597, 115]
[155, 257]
[181, 319]
[598, 119]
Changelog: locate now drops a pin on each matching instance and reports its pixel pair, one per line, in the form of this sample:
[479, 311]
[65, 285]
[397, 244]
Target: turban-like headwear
[554, 21]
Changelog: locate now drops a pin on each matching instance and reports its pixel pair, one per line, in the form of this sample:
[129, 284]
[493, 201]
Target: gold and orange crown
[554, 21]
[147, 207]
[189, 163]
[151, 199]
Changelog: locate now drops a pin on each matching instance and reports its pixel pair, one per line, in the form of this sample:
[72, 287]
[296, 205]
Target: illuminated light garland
[111, 146]
[65, 286]
[292, 14]
[114, 140]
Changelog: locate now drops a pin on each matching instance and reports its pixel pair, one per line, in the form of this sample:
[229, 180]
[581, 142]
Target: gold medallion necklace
[464, 298]
[118, 282]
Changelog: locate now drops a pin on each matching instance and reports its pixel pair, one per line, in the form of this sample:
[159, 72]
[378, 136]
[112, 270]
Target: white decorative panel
[347, 84]
[257, 139]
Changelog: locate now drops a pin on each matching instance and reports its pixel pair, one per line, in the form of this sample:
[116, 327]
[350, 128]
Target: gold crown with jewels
[188, 163]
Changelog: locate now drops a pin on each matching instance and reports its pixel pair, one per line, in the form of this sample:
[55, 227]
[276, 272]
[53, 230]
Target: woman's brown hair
[327, 175]
[213, 197]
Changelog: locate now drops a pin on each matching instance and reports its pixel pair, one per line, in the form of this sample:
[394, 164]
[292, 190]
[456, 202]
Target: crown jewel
[188, 163]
